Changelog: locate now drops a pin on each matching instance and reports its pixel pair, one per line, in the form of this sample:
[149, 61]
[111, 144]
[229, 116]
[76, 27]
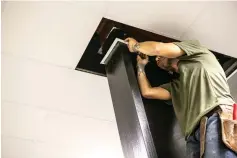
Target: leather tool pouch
[228, 127]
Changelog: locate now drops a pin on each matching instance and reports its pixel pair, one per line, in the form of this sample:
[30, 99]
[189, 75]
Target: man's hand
[146, 90]
[131, 44]
[141, 61]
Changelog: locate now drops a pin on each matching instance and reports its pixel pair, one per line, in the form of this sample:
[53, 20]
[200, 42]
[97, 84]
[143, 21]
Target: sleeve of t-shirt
[166, 86]
[191, 47]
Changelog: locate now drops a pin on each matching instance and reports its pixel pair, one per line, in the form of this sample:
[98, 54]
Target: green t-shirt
[201, 86]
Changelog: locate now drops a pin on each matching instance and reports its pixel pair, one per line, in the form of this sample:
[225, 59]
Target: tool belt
[228, 128]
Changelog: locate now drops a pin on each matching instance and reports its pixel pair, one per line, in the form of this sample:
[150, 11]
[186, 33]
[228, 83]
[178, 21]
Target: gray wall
[232, 81]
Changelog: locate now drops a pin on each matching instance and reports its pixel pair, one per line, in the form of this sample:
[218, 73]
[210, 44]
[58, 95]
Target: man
[200, 95]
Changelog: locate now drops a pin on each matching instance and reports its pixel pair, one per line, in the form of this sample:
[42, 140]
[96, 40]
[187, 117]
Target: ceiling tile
[27, 82]
[216, 27]
[166, 18]
[54, 32]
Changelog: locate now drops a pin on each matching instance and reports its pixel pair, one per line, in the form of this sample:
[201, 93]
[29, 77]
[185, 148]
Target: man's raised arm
[146, 90]
[151, 48]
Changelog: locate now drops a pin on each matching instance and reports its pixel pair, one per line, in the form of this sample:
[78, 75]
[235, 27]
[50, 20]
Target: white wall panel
[13, 147]
[31, 132]
[216, 27]
[34, 83]
[232, 81]
[54, 32]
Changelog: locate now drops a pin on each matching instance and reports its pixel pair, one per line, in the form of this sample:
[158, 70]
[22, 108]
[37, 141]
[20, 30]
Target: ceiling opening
[106, 33]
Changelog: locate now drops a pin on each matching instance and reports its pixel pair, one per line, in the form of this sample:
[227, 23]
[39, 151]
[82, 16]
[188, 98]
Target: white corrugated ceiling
[60, 31]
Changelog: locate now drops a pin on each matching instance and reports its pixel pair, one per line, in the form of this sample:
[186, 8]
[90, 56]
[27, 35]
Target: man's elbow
[147, 94]
[156, 94]
[169, 50]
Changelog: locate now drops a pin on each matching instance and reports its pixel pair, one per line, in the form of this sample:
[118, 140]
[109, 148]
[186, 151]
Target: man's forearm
[149, 48]
[143, 81]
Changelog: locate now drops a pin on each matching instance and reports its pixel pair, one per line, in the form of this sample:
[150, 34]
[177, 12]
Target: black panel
[166, 133]
[130, 115]
[129, 110]
[90, 61]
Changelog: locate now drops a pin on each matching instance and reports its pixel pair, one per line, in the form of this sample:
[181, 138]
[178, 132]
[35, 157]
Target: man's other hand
[141, 61]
